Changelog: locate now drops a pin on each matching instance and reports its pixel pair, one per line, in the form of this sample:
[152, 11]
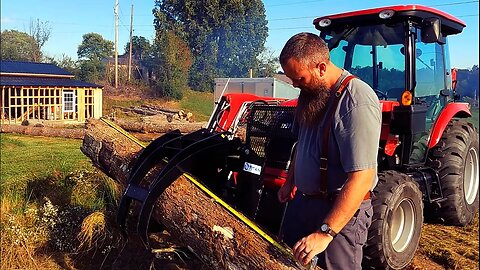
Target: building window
[68, 101]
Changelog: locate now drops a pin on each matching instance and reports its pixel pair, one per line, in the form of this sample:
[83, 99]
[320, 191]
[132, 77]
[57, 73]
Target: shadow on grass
[50, 187]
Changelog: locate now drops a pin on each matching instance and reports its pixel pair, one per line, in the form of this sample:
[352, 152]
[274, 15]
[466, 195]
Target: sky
[69, 20]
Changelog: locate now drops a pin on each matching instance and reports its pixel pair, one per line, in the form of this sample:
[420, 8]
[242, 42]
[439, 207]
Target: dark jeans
[305, 215]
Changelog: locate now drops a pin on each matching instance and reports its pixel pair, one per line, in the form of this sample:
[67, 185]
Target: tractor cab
[402, 53]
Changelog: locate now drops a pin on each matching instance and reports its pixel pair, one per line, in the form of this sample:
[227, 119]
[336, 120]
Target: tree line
[195, 42]
[467, 82]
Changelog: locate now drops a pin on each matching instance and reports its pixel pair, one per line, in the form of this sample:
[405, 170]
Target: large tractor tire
[396, 224]
[455, 158]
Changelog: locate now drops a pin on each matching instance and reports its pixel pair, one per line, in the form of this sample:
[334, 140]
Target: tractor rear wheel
[455, 158]
[396, 224]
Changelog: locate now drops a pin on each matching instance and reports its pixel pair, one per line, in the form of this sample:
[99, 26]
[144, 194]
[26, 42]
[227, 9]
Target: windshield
[373, 53]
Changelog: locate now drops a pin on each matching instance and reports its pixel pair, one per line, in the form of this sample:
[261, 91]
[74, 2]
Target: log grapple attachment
[246, 173]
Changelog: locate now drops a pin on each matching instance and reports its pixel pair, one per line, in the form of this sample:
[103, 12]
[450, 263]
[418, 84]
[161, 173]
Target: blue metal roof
[32, 68]
[42, 81]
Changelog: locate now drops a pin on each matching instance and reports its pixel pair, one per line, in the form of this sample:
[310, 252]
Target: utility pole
[116, 44]
[130, 49]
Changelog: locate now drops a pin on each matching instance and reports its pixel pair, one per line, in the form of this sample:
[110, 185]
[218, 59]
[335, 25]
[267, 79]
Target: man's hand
[307, 247]
[286, 192]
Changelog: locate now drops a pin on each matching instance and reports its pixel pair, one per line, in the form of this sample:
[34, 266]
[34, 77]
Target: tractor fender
[457, 109]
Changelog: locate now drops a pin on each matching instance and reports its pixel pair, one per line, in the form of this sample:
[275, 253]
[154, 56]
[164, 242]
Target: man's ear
[322, 68]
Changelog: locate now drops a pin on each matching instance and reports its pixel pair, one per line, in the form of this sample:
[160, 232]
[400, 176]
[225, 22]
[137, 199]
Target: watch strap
[325, 228]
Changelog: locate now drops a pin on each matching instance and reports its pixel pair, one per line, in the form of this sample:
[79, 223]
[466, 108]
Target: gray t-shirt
[353, 143]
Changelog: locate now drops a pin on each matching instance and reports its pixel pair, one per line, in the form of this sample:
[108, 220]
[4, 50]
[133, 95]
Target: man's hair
[307, 48]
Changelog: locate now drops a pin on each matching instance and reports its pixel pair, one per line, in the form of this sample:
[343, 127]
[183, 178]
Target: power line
[293, 18]
[121, 22]
[455, 3]
[470, 15]
[294, 3]
[290, 28]
[306, 2]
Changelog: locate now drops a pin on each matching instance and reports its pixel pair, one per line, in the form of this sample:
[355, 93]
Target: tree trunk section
[186, 211]
[73, 133]
[150, 127]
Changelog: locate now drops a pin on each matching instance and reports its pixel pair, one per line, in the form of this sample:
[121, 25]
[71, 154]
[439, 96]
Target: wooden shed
[45, 92]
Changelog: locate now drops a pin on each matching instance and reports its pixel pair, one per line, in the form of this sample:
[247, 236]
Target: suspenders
[326, 136]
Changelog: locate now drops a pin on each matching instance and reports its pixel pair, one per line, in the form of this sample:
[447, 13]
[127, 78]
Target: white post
[116, 44]
[130, 49]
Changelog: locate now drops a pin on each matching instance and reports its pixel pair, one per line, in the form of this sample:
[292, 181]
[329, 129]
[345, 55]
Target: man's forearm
[350, 198]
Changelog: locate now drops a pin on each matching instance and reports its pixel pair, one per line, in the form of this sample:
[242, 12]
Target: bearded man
[337, 121]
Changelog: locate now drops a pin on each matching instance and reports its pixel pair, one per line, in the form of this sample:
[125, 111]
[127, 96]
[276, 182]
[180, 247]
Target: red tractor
[428, 155]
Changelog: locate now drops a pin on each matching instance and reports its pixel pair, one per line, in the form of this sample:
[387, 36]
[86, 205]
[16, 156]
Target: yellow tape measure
[239, 215]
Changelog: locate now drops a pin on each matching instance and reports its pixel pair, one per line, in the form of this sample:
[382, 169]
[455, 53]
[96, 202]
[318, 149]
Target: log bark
[73, 133]
[187, 212]
[149, 127]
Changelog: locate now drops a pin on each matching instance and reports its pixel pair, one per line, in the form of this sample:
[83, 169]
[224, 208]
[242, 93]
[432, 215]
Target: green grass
[47, 188]
[199, 103]
[26, 157]
[37, 167]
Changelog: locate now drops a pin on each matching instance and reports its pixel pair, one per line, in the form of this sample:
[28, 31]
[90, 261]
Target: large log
[187, 212]
[163, 127]
[74, 133]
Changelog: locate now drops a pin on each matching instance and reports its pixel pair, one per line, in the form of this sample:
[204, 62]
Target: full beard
[311, 103]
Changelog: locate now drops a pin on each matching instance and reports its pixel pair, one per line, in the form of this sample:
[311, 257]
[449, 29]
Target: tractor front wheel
[396, 224]
[455, 158]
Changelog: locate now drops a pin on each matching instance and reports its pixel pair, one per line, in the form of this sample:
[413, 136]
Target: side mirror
[431, 31]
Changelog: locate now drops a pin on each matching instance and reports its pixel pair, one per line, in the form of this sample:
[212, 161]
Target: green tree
[171, 60]
[467, 82]
[91, 70]
[92, 52]
[224, 36]
[95, 47]
[140, 47]
[267, 64]
[65, 62]
[18, 46]
[141, 53]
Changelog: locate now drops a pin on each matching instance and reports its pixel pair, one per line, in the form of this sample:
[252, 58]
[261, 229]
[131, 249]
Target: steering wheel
[381, 94]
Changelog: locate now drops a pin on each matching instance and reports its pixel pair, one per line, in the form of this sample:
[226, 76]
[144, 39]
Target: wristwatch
[325, 228]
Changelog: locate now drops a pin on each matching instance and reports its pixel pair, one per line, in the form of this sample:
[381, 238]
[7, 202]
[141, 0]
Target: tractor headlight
[324, 22]
[386, 14]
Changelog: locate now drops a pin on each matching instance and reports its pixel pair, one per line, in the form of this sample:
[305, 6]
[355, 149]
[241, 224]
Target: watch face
[324, 228]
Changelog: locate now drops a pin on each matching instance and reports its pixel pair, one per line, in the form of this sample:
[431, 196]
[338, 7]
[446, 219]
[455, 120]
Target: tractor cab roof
[390, 14]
